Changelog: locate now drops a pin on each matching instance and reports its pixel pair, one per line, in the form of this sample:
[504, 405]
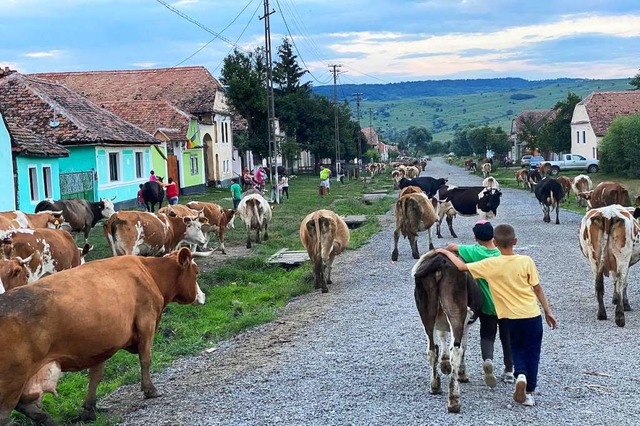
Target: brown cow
[486, 170]
[522, 176]
[412, 172]
[610, 240]
[414, 213]
[606, 194]
[48, 250]
[79, 318]
[219, 219]
[565, 183]
[544, 169]
[411, 189]
[448, 301]
[325, 235]
[13, 273]
[18, 220]
[145, 234]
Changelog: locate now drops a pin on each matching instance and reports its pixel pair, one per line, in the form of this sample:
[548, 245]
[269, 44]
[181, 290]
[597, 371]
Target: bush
[620, 148]
[521, 96]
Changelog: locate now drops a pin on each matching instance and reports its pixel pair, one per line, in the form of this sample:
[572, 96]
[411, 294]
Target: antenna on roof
[54, 123]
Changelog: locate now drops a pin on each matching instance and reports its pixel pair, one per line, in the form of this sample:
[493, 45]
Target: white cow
[255, 212]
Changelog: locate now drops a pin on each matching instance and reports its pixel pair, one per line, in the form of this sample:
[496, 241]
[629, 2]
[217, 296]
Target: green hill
[444, 106]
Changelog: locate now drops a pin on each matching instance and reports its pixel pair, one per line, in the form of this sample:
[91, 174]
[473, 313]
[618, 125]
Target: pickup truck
[573, 162]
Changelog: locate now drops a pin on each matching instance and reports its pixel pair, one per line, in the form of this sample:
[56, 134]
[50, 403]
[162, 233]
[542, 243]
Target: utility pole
[335, 72]
[270, 101]
[358, 97]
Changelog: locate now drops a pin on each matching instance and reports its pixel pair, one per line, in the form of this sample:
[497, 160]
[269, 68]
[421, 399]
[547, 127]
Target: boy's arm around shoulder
[459, 263]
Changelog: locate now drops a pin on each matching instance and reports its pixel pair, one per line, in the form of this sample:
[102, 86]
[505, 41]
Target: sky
[374, 41]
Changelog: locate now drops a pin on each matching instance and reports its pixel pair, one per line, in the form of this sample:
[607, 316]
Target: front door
[172, 169]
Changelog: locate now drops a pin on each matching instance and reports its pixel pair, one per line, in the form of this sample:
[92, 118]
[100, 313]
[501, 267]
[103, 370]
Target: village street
[357, 354]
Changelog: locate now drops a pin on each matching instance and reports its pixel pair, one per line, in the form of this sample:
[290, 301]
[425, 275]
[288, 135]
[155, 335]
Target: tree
[289, 149]
[243, 74]
[635, 81]
[373, 155]
[393, 155]
[287, 72]
[620, 148]
[460, 144]
[555, 134]
[417, 139]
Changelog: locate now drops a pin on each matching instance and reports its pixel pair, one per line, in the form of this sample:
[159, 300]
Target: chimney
[6, 71]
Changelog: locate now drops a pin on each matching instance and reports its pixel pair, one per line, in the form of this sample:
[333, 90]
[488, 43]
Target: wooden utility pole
[358, 97]
[271, 114]
[335, 72]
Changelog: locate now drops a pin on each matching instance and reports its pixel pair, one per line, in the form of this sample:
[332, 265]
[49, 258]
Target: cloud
[144, 64]
[46, 54]
[184, 3]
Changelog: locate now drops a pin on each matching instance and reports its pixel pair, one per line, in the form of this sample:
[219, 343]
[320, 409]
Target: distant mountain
[443, 106]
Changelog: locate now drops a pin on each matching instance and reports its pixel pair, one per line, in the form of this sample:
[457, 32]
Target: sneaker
[520, 392]
[529, 401]
[508, 377]
[489, 377]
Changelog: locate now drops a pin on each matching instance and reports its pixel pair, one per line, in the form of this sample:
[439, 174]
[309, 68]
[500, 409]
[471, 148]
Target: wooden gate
[172, 169]
[77, 185]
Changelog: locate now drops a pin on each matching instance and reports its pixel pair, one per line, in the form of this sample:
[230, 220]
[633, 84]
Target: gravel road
[357, 355]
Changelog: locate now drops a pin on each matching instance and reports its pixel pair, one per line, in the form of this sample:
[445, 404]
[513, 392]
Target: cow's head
[488, 202]
[13, 273]
[193, 233]
[186, 289]
[106, 207]
[586, 195]
[229, 218]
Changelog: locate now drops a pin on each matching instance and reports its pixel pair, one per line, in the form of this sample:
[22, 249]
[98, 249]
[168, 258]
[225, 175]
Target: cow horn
[113, 198]
[24, 261]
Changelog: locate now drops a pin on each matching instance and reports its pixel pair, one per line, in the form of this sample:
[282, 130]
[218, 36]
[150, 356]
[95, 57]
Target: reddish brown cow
[544, 169]
[13, 273]
[79, 318]
[522, 176]
[606, 194]
[414, 213]
[219, 219]
[17, 220]
[325, 235]
[145, 234]
[565, 183]
[45, 251]
[411, 189]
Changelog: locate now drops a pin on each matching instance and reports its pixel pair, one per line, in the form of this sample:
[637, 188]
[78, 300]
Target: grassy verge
[242, 293]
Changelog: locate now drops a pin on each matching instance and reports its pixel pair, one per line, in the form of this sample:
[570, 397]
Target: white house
[593, 116]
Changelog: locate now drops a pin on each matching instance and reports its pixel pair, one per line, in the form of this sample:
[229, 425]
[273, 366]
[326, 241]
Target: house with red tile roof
[375, 142]
[534, 118]
[65, 146]
[184, 107]
[593, 116]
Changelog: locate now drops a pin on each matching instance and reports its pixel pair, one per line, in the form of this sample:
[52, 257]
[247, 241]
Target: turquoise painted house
[7, 194]
[107, 156]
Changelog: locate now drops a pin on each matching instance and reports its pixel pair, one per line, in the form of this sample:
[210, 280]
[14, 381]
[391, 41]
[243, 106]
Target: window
[139, 165]
[594, 153]
[578, 136]
[33, 184]
[114, 166]
[46, 176]
[193, 159]
[584, 136]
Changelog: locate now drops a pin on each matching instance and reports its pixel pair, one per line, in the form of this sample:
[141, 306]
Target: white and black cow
[428, 184]
[80, 215]
[549, 193]
[466, 201]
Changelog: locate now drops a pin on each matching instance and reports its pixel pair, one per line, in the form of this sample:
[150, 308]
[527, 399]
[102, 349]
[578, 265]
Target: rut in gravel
[357, 355]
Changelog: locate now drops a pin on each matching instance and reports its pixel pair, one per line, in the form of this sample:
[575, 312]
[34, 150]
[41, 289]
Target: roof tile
[604, 107]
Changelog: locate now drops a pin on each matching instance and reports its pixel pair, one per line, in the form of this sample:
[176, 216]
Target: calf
[80, 215]
[219, 219]
[522, 177]
[491, 183]
[448, 301]
[549, 194]
[610, 239]
[17, 220]
[565, 183]
[486, 170]
[607, 194]
[581, 184]
[468, 201]
[79, 318]
[255, 213]
[147, 234]
[414, 213]
[533, 177]
[428, 184]
[46, 251]
[325, 235]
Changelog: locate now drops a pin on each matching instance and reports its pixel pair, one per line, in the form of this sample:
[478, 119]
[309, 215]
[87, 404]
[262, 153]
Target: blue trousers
[526, 343]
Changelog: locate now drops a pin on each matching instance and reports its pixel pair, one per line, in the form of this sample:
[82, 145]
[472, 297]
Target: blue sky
[375, 40]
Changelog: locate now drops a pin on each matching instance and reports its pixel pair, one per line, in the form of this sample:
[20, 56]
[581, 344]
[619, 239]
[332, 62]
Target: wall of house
[223, 148]
[7, 194]
[192, 183]
[23, 164]
[159, 164]
[125, 189]
[583, 139]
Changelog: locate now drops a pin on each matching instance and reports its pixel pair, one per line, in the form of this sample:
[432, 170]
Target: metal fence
[76, 185]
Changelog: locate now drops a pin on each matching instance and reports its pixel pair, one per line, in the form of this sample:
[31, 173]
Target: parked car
[535, 160]
[574, 162]
[524, 161]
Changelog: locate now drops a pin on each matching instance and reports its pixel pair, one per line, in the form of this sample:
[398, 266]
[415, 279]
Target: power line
[207, 29]
[368, 75]
[296, 46]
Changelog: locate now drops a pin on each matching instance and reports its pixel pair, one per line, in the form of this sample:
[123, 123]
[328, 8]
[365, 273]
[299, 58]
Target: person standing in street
[236, 193]
[325, 173]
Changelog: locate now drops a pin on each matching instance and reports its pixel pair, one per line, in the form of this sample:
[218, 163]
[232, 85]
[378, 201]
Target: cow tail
[256, 214]
[110, 229]
[408, 220]
[318, 240]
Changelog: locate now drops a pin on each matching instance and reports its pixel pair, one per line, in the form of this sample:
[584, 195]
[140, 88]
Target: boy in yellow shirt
[515, 286]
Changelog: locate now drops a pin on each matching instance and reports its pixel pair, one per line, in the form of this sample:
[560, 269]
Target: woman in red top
[172, 191]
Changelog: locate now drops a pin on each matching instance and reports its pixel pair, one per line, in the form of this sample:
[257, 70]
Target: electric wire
[255, 12]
